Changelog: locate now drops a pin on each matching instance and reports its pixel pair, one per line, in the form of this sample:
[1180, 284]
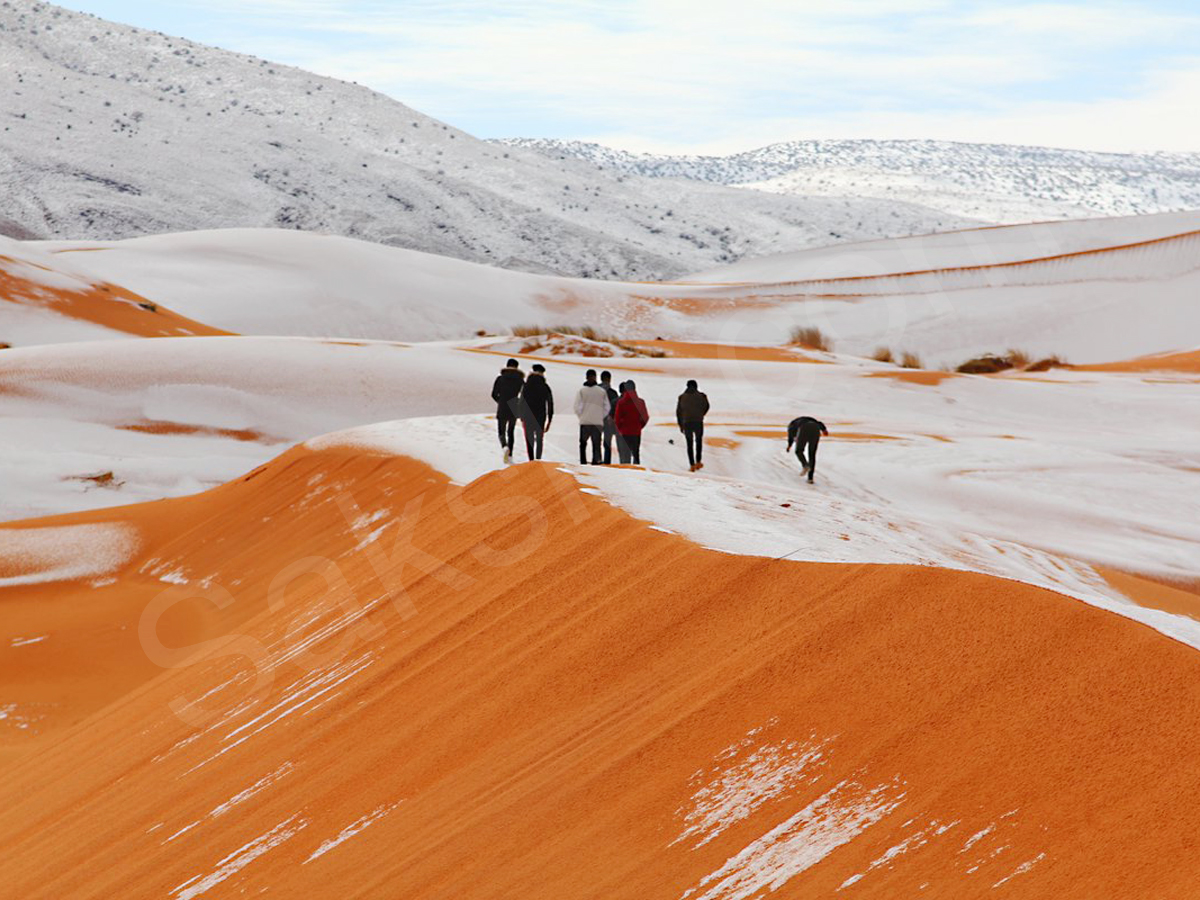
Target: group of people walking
[618, 415]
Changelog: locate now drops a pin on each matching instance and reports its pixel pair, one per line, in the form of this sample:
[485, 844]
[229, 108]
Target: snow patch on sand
[799, 842]
[770, 771]
[64, 552]
[240, 858]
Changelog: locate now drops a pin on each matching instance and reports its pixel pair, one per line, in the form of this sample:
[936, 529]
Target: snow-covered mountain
[991, 182]
[113, 132]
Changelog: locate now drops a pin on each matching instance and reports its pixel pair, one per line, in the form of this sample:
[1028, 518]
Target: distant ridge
[993, 182]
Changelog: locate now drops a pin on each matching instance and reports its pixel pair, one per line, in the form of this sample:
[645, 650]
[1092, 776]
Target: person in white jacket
[591, 406]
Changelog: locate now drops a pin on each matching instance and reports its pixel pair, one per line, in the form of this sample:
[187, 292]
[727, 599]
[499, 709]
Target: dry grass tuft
[586, 332]
[910, 360]
[883, 355]
[984, 365]
[1045, 365]
[811, 338]
[1018, 358]
[991, 363]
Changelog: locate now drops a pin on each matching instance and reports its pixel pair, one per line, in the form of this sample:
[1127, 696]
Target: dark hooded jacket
[537, 397]
[507, 388]
[692, 407]
[804, 429]
[613, 397]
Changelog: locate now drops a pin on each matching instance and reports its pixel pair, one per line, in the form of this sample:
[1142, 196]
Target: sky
[671, 76]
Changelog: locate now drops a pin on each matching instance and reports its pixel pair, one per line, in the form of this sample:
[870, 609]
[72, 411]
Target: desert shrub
[910, 360]
[883, 355]
[1018, 358]
[587, 332]
[811, 337]
[984, 365]
[652, 352]
[1045, 365]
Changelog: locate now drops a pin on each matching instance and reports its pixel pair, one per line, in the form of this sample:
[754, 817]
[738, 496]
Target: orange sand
[1187, 362]
[103, 304]
[1153, 594]
[158, 426]
[534, 714]
[926, 377]
[608, 362]
[694, 350]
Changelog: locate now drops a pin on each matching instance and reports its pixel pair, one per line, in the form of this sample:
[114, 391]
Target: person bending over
[805, 432]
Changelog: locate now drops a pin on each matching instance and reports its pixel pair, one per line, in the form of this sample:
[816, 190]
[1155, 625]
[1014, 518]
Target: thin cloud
[707, 74]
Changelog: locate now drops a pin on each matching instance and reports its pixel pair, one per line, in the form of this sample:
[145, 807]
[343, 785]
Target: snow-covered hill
[991, 182]
[113, 132]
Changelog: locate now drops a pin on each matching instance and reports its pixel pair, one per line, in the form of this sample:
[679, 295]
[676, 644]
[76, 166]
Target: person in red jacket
[629, 418]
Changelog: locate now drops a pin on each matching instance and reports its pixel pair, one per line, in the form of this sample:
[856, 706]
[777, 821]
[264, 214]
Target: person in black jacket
[506, 391]
[610, 430]
[537, 410]
[690, 411]
[805, 432]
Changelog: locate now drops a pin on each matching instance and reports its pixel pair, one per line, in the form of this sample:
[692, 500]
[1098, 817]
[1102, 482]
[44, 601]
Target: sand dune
[1187, 362]
[1089, 290]
[488, 706]
[46, 300]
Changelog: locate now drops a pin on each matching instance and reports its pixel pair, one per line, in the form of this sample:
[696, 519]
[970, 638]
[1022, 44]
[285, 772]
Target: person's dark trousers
[623, 453]
[589, 434]
[634, 442]
[694, 433]
[506, 426]
[535, 428]
[610, 432]
[811, 462]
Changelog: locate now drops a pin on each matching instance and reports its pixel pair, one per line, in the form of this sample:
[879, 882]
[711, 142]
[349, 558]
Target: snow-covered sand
[1089, 291]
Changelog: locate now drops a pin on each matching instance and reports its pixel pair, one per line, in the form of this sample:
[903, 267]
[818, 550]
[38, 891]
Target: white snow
[240, 858]
[41, 555]
[351, 830]
[741, 787]
[1088, 291]
[27, 641]
[995, 182]
[800, 842]
[1021, 869]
